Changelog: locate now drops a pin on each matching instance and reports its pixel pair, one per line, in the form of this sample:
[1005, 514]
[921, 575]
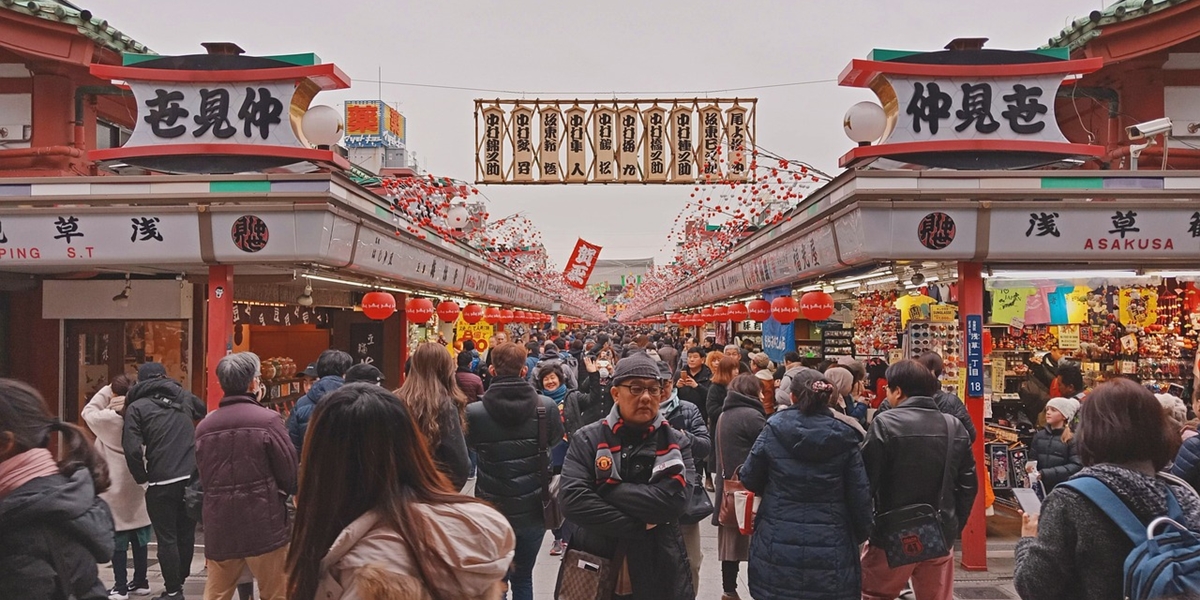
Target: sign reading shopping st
[967, 108]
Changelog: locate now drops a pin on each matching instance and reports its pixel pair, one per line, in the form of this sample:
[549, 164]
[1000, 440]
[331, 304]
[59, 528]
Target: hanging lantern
[673, 318]
[737, 312]
[785, 309]
[816, 306]
[419, 310]
[378, 305]
[524, 316]
[506, 316]
[708, 315]
[759, 310]
[721, 312]
[447, 310]
[492, 315]
[472, 313]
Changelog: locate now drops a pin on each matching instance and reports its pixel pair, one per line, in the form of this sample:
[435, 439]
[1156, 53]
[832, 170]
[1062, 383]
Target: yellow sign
[943, 312]
[1139, 306]
[480, 332]
[999, 366]
[1068, 337]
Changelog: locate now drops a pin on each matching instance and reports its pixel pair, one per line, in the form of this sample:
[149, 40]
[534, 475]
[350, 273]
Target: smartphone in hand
[1029, 501]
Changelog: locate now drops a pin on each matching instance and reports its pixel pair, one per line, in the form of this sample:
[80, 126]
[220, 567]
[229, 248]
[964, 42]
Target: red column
[219, 328]
[401, 302]
[974, 537]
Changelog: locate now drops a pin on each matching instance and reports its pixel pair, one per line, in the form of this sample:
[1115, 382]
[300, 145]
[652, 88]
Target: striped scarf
[668, 460]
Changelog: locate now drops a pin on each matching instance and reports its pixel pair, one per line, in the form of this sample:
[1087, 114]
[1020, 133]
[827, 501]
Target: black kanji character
[147, 228]
[67, 228]
[4, 236]
[164, 112]
[1044, 223]
[261, 111]
[1193, 227]
[1124, 223]
[931, 107]
[1023, 108]
[977, 109]
[214, 114]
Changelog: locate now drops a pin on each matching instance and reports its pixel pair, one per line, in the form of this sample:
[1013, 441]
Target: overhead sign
[968, 109]
[373, 124]
[690, 141]
[580, 265]
[219, 113]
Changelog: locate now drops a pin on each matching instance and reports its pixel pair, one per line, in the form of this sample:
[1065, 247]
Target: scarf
[25, 467]
[668, 459]
[558, 394]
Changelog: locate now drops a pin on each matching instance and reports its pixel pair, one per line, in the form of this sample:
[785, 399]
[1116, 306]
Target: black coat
[715, 402]
[699, 394]
[451, 452]
[590, 403]
[53, 531]
[1056, 460]
[742, 420]
[503, 431]
[160, 415]
[816, 508]
[949, 404]
[905, 454]
[657, 558]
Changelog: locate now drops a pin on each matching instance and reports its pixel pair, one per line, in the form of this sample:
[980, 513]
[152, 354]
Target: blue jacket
[1187, 461]
[816, 508]
[297, 423]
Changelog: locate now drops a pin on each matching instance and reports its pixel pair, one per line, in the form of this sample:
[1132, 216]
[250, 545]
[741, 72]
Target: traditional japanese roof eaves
[98, 30]
[1085, 29]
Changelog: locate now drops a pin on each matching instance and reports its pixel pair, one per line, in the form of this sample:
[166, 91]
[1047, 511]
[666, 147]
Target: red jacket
[248, 468]
[470, 384]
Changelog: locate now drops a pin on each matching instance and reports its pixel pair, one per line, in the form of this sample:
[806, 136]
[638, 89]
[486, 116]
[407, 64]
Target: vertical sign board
[778, 338]
[493, 145]
[654, 166]
[975, 356]
[522, 139]
[551, 140]
[577, 167]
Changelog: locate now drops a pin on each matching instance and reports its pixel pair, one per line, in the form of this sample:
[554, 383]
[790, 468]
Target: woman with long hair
[727, 369]
[377, 520]
[54, 528]
[438, 406]
[712, 359]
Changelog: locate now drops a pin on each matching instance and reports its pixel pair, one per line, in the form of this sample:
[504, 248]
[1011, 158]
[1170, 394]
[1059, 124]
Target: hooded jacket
[125, 497]
[297, 423]
[503, 431]
[53, 532]
[816, 508]
[160, 416]
[742, 420]
[371, 561]
[783, 392]
[1057, 460]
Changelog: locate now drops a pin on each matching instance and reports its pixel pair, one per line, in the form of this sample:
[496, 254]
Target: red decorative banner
[583, 260]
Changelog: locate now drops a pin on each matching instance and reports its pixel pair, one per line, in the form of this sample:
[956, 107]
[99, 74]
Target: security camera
[1142, 131]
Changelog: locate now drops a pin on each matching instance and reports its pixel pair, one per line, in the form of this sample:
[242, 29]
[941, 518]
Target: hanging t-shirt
[1036, 310]
[1008, 305]
[1068, 305]
[913, 307]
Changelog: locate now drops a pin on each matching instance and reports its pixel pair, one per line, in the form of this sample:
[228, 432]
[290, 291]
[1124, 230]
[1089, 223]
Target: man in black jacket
[947, 402]
[160, 417]
[905, 455]
[503, 430]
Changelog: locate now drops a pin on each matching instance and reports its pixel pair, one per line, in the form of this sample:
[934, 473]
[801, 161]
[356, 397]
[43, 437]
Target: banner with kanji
[580, 266]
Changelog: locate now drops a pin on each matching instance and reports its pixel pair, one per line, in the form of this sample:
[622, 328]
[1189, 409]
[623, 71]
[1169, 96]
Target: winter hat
[841, 379]
[1067, 406]
[151, 370]
[664, 371]
[1175, 407]
[761, 360]
[636, 365]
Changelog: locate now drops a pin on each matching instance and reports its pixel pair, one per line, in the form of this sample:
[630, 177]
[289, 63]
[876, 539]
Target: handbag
[912, 534]
[585, 576]
[552, 513]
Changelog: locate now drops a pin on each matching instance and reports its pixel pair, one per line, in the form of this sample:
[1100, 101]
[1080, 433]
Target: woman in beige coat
[376, 519]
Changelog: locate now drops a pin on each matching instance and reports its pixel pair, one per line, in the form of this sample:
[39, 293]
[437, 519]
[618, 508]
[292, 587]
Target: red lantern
[506, 316]
[492, 315]
[785, 309]
[673, 318]
[759, 310]
[419, 310]
[737, 312]
[721, 312]
[472, 313]
[816, 306]
[447, 310]
[708, 315]
[378, 305]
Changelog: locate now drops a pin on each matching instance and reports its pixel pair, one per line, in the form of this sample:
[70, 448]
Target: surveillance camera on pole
[1148, 129]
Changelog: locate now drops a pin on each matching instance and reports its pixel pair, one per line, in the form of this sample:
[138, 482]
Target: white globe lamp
[865, 122]
[457, 216]
[322, 125]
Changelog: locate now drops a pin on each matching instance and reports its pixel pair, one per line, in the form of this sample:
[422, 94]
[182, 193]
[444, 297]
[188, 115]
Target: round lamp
[816, 306]
[737, 312]
[321, 125]
[785, 309]
[759, 310]
[378, 305]
[865, 122]
[447, 311]
[419, 310]
[457, 216]
[472, 313]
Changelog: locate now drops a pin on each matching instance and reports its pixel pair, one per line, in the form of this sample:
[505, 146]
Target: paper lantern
[708, 315]
[721, 312]
[419, 310]
[447, 310]
[492, 315]
[816, 306]
[673, 318]
[472, 313]
[785, 309]
[737, 312]
[378, 305]
[506, 316]
[759, 310]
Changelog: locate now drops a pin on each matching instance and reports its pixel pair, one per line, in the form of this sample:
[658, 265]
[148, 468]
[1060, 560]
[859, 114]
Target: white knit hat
[1174, 406]
[1067, 406]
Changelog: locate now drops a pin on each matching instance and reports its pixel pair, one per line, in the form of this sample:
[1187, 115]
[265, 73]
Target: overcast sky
[586, 49]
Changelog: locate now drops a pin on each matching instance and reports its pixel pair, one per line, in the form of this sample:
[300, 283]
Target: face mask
[260, 393]
[603, 373]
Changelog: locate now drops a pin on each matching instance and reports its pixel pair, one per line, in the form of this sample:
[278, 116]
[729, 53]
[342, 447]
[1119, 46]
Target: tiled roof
[1085, 29]
[62, 11]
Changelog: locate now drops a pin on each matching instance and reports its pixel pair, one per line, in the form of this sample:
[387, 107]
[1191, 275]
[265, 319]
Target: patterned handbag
[912, 534]
[584, 576]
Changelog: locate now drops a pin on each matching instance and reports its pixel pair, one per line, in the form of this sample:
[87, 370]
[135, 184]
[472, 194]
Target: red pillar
[974, 537]
[219, 328]
[401, 302]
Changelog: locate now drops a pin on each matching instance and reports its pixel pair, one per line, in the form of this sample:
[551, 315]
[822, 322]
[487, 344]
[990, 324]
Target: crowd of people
[617, 441]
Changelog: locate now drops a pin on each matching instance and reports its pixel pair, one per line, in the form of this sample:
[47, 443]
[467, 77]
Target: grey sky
[579, 46]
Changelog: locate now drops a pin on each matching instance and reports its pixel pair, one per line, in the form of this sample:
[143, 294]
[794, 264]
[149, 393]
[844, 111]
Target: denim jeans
[520, 577]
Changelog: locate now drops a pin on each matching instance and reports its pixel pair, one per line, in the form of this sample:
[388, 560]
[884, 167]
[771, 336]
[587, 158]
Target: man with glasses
[625, 483]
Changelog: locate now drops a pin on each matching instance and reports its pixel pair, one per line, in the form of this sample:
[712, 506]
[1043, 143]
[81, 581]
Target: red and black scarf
[668, 459]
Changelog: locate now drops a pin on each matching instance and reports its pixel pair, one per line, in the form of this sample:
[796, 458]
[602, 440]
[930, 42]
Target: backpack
[1165, 562]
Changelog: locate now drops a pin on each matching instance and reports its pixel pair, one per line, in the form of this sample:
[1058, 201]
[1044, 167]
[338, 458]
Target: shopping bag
[745, 506]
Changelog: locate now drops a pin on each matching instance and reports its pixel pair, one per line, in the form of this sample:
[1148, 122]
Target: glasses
[638, 390]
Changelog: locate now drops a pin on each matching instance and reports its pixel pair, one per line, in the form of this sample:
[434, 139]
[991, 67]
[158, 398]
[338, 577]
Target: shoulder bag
[551, 511]
[585, 576]
[912, 534]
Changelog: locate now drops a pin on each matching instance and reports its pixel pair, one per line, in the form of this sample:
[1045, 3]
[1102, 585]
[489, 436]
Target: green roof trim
[306, 59]
[1072, 183]
[231, 187]
[880, 54]
[1083, 30]
[97, 30]
[1059, 53]
[129, 59]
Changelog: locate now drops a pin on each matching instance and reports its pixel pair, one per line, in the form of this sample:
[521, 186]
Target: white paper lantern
[322, 125]
[865, 122]
[457, 216]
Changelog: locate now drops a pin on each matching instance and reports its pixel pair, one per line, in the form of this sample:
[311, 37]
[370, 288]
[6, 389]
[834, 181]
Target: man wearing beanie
[160, 449]
[625, 483]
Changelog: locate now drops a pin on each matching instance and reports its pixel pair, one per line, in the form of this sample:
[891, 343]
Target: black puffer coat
[503, 431]
[1056, 460]
[715, 402]
[699, 394]
[53, 531]
[160, 416]
[816, 508]
[658, 562]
